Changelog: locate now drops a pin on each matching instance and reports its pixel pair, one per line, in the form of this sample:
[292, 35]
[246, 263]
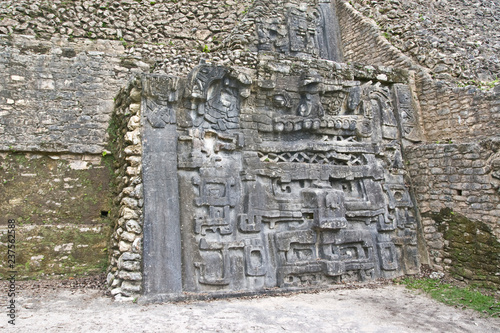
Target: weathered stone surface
[128, 286]
[444, 36]
[64, 104]
[128, 213]
[329, 133]
[131, 276]
[124, 246]
[316, 197]
[471, 248]
[133, 226]
[445, 178]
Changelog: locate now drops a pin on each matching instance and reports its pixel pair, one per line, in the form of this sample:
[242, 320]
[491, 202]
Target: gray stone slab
[162, 243]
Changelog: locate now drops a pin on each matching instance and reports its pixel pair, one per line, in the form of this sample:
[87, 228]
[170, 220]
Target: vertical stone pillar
[329, 41]
[162, 235]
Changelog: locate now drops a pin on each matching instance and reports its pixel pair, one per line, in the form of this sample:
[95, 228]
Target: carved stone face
[305, 108]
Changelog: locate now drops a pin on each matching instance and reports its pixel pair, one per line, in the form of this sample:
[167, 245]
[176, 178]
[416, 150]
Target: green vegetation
[472, 248]
[446, 141]
[67, 3]
[483, 85]
[449, 294]
[47, 252]
[486, 85]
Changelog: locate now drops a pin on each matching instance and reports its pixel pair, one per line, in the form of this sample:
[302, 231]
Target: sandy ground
[371, 308]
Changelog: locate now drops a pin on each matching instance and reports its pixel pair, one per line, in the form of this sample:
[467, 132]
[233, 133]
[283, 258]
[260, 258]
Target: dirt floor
[82, 306]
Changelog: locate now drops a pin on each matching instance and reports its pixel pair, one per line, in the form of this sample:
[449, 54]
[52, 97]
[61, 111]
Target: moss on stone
[62, 213]
[472, 247]
[59, 251]
[37, 190]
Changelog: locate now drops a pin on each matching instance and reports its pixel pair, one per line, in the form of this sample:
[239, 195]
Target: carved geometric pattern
[332, 158]
[344, 138]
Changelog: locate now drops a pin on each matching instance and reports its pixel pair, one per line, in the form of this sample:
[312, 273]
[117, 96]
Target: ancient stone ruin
[286, 175]
[200, 148]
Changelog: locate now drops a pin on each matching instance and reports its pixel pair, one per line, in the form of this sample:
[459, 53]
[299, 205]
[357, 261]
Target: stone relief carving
[158, 109]
[303, 31]
[215, 97]
[407, 116]
[291, 180]
[159, 115]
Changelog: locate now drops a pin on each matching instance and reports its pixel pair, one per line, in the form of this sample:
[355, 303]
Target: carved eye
[279, 101]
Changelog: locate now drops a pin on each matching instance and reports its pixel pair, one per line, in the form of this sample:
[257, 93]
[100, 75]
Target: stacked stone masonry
[458, 41]
[62, 63]
[57, 98]
[465, 248]
[457, 187]
[191, 23]
[461, 177]
[125, 273]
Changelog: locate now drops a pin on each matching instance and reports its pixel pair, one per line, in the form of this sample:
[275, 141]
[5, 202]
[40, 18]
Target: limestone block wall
[57, 96]
[458, 114]
[465, 248]
[458, 41]
[57, 250]
[457, 188]
[61, 207]
[457, 176]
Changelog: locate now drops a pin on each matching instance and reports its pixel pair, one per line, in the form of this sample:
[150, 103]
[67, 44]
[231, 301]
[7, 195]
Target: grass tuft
[452, 295]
